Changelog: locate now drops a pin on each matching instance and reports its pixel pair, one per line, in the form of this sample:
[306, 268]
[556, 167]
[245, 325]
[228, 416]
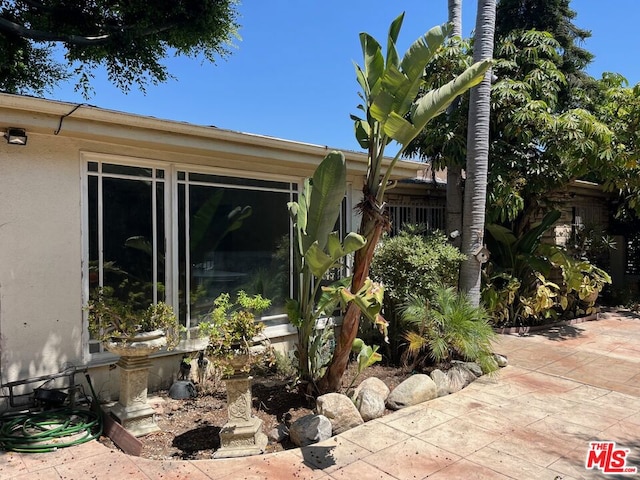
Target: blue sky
[292, 76]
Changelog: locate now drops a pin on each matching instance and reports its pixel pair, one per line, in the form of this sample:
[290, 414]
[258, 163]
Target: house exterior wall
[584, 204]
[40, 252]
[41, 222]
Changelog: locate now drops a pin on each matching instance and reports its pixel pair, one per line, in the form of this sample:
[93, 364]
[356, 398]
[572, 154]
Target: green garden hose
[41, 432]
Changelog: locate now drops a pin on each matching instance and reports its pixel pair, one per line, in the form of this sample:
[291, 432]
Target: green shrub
[448, 327]
[411, 263]
[415, 264]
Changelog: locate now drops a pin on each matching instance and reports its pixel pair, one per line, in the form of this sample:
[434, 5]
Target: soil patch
[190, 427]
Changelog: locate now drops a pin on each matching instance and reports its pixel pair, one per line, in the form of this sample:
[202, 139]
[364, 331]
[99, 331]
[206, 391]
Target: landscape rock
[182, 389]
[442, 382]
[278, 434]
[416, 389]
[501, 360]
[459, 377]
[372, 384]
[474, 368]
[310, 429]
[370, 404]
[340, 411]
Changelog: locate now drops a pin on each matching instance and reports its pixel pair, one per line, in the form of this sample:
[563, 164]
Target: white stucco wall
[40, 252]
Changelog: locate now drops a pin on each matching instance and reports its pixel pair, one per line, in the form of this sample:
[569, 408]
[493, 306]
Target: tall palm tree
[455, 17]
[454, 170]
[475, 193]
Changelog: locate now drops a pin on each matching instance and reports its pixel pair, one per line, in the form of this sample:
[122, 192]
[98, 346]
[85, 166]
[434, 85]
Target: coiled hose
[46, 431]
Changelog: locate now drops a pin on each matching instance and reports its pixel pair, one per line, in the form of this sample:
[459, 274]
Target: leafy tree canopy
[555, 17]
[537, 146]
[129, 39]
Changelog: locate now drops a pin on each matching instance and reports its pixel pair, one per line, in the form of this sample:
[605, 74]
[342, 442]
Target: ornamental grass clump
[447, 327]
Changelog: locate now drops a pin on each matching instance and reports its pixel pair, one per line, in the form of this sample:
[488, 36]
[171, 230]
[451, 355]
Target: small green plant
[112, 318]
[446, 328]
[366, 356]
[233, 330]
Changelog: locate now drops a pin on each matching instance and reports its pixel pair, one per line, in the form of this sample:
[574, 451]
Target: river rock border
[336, 413]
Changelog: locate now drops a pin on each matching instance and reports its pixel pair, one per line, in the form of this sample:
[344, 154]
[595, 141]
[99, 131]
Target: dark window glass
[238, 240]
[245, 182]
[111, 168]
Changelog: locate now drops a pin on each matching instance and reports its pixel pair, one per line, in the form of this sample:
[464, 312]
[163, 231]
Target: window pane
[92, 215]
[128, 239]
[246, 182]
[239, 240]
[182, 256]
[160, 240]
[127, 170]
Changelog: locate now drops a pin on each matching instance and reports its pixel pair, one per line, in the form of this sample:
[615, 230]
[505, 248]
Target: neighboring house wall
[50, 233]
[584, 204]
[417, 201]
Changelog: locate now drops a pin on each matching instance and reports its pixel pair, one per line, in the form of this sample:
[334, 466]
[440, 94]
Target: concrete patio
[564, 387]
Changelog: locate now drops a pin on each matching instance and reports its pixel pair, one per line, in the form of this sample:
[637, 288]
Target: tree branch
[42, 36]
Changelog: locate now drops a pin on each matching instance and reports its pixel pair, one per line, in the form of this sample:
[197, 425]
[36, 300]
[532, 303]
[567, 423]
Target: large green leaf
[530, 240]
[390, 98]
[436, 101]
[317, 260]
[394, 31]
[328, 188]
[373, 60]
[501, 234]
[432, 104]
[422, 50]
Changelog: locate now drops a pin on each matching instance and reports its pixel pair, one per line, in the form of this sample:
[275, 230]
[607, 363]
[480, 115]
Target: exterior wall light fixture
[16, 136]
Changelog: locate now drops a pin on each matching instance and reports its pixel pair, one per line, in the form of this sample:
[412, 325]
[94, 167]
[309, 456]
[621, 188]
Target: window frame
[277, 324]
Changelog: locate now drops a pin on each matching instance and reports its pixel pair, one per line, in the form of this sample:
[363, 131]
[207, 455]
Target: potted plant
[126, 325]
[235, 338]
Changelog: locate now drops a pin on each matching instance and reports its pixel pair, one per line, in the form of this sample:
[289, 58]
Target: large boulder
[501, 360]
[374, 385]
[310, 429]
[182, 389]
[459, 377]
[416, 389]
[370, 404]
[473, 367]
[441, 380]
[340, 411]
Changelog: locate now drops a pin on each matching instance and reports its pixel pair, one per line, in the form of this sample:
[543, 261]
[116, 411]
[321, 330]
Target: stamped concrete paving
[564, 387]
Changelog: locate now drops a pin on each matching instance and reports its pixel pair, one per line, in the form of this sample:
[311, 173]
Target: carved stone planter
[132, 410]
[242, 435]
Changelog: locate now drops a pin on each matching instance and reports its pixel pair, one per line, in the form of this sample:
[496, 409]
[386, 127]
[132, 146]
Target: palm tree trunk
[477, 156]
[455, 17]
[454, 172]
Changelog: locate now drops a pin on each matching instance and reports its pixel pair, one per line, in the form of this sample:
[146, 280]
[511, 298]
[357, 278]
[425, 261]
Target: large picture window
[233, 235]
[222, 234]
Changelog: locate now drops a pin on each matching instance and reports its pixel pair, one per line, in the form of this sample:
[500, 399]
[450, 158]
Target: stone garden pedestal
[132, 410]
[242, 435]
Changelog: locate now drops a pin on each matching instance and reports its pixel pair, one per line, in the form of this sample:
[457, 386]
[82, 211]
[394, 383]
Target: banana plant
[317, 250]
[391, 111]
